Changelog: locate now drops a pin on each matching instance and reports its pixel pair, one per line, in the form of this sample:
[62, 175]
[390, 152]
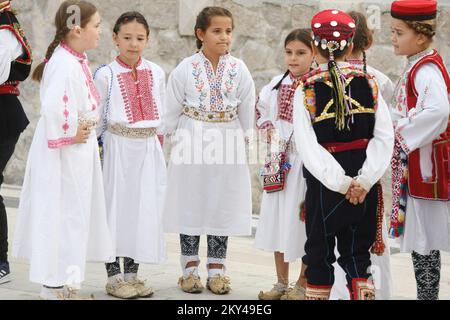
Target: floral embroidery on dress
[215, 83]
[137, 95]
[199, 83]
[232, 73]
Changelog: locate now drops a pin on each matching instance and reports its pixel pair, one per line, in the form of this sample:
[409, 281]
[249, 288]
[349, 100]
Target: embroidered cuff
[402, 141]
[61, 142]
[266, 125]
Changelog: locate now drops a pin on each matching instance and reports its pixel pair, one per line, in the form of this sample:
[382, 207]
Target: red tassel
[379, 246]
[302, 212]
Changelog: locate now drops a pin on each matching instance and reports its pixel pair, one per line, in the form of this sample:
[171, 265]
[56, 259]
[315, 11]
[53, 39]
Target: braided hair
[426, 27]
[363, 38]
[302, 35]
[62, 18]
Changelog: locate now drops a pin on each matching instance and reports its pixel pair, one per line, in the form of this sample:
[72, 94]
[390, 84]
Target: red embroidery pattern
[266, 125]
[93, 95]
[53, 144]
[402, 141]
[73, 52]
[138, 95]
[286, 101]
[65, 126]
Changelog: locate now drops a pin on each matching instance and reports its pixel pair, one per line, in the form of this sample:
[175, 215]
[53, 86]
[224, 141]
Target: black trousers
[7, 146]
[329, 216]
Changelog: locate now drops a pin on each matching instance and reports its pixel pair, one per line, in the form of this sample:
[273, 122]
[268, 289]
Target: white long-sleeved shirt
[10, 50]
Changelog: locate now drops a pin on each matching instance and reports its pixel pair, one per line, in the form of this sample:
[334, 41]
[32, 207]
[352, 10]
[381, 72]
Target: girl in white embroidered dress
[210, 97]
[280, 229]
[62, 215]
[134, 169]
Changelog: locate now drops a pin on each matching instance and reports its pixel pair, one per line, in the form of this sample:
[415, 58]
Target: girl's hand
[83, 133]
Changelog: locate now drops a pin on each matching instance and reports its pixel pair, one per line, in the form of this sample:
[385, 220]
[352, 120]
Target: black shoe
[5, 275]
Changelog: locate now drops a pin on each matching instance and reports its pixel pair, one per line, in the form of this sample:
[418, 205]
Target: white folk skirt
[135, 182]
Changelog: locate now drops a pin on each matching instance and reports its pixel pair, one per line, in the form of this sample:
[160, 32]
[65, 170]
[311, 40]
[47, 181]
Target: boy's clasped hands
[356, 194]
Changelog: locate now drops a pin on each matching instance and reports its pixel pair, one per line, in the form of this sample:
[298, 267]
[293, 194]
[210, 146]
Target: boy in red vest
[420, 169]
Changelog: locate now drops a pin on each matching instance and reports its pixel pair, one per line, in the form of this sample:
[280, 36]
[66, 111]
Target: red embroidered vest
[437, 188]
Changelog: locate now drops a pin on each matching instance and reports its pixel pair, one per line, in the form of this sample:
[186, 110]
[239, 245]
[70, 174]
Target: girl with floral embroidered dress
[62, 216]
[280, 229]
[209, 105]
[132, 94]
[420, 215]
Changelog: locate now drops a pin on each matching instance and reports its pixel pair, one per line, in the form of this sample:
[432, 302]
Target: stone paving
[250, 270]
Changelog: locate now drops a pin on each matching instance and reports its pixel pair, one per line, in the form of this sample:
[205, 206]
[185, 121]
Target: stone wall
[261, 26]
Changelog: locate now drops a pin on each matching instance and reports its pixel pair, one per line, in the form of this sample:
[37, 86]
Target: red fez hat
[414, 10]
[333, 29]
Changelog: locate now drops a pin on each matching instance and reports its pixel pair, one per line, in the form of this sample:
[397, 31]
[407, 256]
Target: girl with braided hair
[62, 216]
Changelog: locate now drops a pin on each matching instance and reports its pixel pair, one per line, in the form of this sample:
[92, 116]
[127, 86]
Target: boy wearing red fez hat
[420, 175]
[15, 66]
[344, 124]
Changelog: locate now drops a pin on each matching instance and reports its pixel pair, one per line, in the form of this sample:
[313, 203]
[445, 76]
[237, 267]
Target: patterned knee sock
[130, 269]
[113, 269]
[189, 245]
[427, 269]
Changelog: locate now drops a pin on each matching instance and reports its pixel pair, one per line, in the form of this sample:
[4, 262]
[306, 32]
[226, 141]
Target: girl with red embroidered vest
[280, 229]
[420, 111]
[381, 266]
[210, 106]
[132, 94]
[343, 125]
[15, 67]
[62, 216]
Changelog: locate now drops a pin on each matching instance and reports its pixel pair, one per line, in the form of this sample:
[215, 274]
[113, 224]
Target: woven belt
[335, 147]
[87, 122]
[210, 116]
[136, 133]
[10, 87]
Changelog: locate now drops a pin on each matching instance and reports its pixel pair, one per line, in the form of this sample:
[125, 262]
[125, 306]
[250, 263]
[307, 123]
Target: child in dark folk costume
[15, 67]
[380, 259]
[344, 124]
